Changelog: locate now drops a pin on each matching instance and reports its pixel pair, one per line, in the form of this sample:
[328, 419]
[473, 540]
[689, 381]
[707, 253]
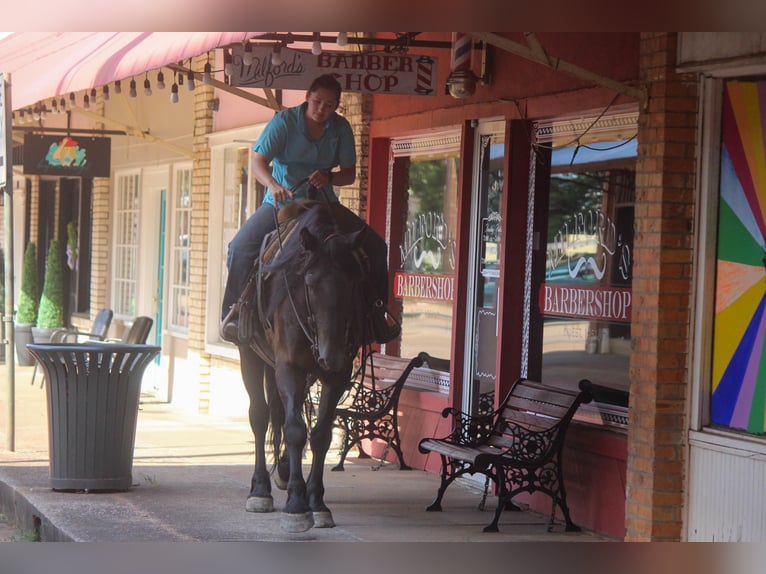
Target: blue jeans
[245, 247]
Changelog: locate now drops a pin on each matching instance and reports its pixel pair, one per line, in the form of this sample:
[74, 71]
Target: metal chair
[98, 332]
[138, 332]
[98, 329]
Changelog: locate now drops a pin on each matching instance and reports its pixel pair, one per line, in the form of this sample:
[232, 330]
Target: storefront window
[738, 398]
[126, 245]
[586, 296]
[180, 284]
[425, 282]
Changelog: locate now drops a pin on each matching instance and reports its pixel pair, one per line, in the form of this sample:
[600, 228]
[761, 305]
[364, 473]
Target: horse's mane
[318, 220]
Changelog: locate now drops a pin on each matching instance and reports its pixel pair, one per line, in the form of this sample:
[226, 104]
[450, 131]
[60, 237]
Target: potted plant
[50, 315]
[26, 313]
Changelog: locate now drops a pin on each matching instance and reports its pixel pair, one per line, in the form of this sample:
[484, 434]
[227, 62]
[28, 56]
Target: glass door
[484, 266]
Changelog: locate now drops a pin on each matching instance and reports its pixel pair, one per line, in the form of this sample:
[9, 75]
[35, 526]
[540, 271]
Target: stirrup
[229, 327]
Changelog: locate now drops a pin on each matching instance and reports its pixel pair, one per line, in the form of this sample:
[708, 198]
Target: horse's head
[333, 273]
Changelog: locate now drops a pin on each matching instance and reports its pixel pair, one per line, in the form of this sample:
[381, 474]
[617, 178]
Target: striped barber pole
[425, 72]
[461, 51]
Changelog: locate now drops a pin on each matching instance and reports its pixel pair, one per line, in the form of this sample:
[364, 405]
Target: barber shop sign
[366, 72]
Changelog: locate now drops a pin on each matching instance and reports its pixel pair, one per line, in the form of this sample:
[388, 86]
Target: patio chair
[137, 333]
[98, 331]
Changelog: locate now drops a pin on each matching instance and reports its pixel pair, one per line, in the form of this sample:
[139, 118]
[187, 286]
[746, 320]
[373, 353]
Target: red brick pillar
[662, 279]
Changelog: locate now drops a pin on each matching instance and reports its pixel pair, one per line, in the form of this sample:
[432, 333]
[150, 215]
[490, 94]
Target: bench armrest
[468, 430]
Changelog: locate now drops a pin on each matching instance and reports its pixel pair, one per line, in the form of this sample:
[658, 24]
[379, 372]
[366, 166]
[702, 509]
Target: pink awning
[47, 64]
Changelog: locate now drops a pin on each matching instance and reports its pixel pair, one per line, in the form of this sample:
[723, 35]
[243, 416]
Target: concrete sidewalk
[191, 476]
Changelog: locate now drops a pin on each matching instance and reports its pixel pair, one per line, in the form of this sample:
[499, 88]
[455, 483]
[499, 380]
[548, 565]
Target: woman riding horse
[301, 145]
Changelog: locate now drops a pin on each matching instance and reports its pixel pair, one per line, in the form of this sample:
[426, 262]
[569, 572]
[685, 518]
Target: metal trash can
[92, 394]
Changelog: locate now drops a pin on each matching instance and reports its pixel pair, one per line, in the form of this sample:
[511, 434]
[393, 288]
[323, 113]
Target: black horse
[308, 323]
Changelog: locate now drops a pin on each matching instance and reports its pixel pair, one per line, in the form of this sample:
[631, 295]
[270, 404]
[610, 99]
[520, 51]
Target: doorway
[486, 245]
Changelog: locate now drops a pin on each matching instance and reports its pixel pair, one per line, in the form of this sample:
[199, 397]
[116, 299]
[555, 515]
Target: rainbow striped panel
[739, 331]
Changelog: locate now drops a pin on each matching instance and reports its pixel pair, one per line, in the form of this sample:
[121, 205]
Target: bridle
[309, 325]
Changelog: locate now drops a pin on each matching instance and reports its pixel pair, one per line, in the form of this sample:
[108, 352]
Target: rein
[309, 330]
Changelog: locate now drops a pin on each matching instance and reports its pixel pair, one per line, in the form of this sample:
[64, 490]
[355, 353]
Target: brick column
[662, 281]
[199, 237]
[101, 244]
[356, 109]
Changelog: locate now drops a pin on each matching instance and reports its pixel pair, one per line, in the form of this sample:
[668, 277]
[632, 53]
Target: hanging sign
[366, 72]
[67, 155]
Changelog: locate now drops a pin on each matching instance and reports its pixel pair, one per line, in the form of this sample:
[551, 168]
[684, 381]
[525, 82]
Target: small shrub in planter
[30, 295]
[51, 311]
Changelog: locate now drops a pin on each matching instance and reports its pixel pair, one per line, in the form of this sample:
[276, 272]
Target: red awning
[47, 64]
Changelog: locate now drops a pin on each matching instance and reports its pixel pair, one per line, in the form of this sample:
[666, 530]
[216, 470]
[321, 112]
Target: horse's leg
[277, 412]
[291, 383]
[321, 436]
[251, 366]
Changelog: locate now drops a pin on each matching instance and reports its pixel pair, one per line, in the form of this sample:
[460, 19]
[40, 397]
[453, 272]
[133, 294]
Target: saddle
[254, 326]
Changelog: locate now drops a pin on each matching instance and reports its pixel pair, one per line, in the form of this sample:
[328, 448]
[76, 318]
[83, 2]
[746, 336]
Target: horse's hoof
[297, 522]
[259, 504]
[323, 519]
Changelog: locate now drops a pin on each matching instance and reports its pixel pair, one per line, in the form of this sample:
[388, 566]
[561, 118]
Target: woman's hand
[320, 179]
[281, 194]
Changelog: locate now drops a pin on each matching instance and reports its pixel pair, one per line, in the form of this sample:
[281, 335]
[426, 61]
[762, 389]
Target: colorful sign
[594, 303]
[366, 72]
[423, 286]
[67, 155]
[739, 328]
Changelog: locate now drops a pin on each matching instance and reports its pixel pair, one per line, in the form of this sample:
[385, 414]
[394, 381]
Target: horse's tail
[276, 421]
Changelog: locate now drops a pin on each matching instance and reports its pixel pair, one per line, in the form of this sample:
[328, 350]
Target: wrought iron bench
[370, 410]
[518, 446]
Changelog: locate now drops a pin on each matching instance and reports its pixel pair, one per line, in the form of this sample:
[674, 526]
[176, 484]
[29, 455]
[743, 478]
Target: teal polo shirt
[294, 156]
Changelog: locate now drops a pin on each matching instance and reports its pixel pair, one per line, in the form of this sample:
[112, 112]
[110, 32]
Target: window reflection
[586, 296]
[426, 281]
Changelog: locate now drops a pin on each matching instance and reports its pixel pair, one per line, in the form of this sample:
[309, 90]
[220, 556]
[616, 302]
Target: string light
[62, 105]
[247, 56]
[36, 113]
[190, 80]
[132, 93]
[117, 87]
[174, 90]
[342, 39]
[86, 102]
[276, 55]
[147, 85]
[316, 45]
[227, 63]
[206, 74]
[105, 93]
[160, 80]
[55, 106]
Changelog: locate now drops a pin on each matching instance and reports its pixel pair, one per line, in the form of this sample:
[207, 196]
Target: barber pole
[425, 72]
[461, 51]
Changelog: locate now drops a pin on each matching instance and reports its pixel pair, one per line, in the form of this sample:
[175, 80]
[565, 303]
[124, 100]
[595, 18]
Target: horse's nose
[330, 364]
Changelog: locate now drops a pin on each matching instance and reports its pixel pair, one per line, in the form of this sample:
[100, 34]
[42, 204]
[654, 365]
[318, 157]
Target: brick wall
[356, 109]
[662, 280]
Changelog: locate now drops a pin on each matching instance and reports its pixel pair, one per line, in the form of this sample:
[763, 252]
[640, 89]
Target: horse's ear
[308, 241]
